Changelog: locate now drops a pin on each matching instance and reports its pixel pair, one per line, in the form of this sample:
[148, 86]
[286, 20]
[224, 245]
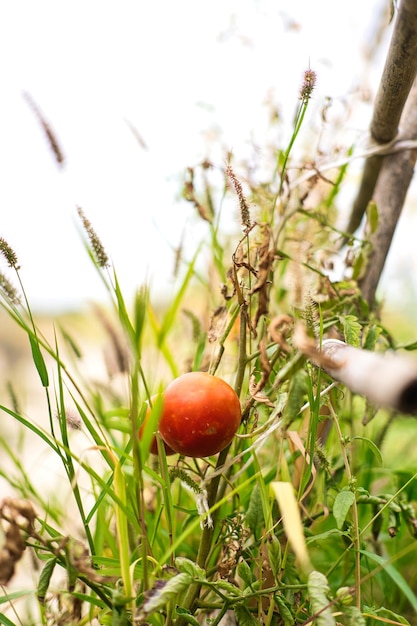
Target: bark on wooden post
[396, 81]
[390, 193]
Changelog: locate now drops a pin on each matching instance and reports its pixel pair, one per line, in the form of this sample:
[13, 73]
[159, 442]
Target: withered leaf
[279, 329]
[266, 253]
[217, 323]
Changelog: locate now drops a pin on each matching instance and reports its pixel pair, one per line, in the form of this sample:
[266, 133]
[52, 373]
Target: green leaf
[395, 575]
[408, 346]
[244, 616]
[171, 313]
[122, 310]
[164, 591]
[296, 394]
[371, 445]
[318, 589]
[245, 573]
[32, 427]
[284, 610]
[382, 612]
[186, 616]
[191, 568]
[227, 587]
[254, 515]
[15, 595]
[372, 334]
[45, 579]
[358, 264]
[332, 532]
[351, 329]
[5, 621]
[39, 360]
[141, 303]
[353, 616]
[372, 217]
[275, 555]
[342, 505]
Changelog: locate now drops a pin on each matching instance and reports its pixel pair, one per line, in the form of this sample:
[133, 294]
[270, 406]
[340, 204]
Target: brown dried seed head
[50, 135]
[9, 291]
[96, 245]
[244, 206]
[308, 85]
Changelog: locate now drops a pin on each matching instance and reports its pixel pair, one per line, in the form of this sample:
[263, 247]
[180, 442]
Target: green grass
[308, 517]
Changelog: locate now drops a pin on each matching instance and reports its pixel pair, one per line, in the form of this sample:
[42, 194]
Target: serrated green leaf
[244, 616]
[296, 393]
[186, 616]
[164, 591]
[372, 334]
[351, 329]
[284, 610]
[191, 568]
[275, 555]
[254, 515]
[353, 616]
[318, 589]
[342, 505]
[382, 612]
[245, 573]
[229, 588]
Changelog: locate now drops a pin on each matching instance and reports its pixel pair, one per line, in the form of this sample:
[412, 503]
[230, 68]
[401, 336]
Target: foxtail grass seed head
[96, 245]
[8, 290]
[49, 133]
[9, 254]
[73, 420]
[308, 85]
[244, 206]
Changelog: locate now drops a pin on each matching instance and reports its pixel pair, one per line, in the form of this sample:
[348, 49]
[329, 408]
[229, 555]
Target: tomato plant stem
[207, 533]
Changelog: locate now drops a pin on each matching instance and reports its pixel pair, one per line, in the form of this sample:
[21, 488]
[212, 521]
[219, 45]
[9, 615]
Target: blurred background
[136, 92]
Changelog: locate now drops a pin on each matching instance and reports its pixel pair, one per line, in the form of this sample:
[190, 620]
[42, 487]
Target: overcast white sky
[180, 71]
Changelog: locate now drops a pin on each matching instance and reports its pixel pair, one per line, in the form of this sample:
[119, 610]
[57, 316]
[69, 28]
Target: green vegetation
[307, 517]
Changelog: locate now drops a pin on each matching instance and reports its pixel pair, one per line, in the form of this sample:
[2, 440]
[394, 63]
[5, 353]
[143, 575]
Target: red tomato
[154, 444]
[200, 415]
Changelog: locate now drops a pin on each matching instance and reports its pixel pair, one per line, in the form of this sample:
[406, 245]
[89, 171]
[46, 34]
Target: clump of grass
[297, 521]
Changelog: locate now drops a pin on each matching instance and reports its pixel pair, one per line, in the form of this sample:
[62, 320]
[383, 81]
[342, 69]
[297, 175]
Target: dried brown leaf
[279, 328]
[266, 254]
[217, 324]
[255, 390]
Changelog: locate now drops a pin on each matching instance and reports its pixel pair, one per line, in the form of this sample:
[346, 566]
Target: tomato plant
[200, 416]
